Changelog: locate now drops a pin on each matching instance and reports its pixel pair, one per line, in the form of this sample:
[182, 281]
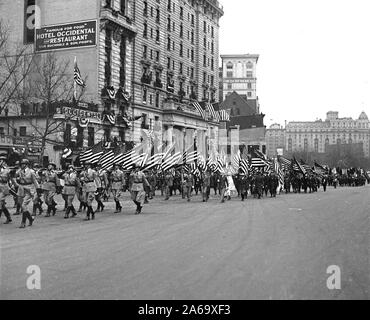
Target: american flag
[202, 163]
[106, 159]
[215, 115]
[224, 115]
[154, 161]
[190, 155]
[199, 108]
[77, 75]
[235, 161]
[92, 154]
[244, 166]
[171, 161]
[298, 167]
[285, 163]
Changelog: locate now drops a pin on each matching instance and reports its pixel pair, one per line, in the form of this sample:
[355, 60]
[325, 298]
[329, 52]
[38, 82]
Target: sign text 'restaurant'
[73, 35]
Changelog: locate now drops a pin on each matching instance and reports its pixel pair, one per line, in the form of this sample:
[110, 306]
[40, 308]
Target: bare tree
[49, 84]
[15, 65]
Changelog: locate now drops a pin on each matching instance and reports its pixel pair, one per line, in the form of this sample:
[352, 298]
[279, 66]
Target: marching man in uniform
[101, 187]
[117, 183]
[138, 180]
[25, 180]
[4, 188]
[51, 182]
[70, 189]
[89, 177]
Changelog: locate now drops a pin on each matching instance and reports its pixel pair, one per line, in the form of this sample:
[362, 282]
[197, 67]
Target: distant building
[239, 75]
[318, 136]
[245, 115]
[275, 140]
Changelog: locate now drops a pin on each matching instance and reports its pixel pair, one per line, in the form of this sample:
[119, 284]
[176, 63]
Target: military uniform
[101, 188]
[138, 181]
[188, 184]
[168, 183]
[89, 177]
[223, 184]
[71, 184]
[206, 186]
[25, 179]
[117, 183]
[4, 192]
[51, 182]
[244, 186]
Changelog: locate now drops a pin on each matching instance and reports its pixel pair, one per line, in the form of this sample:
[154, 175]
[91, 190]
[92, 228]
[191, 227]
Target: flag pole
[74, 81]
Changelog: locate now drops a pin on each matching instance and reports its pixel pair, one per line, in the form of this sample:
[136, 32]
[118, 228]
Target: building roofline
[239, 56]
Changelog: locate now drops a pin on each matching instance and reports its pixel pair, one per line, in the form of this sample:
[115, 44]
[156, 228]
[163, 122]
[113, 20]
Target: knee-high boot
[73, 211]
[7, 215]
[66, 215]
[48, 211]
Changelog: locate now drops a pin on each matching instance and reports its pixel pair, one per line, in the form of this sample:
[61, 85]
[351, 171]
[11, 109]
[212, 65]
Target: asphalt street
[274, 248]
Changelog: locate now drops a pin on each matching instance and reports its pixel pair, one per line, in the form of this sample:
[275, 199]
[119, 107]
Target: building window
[122, 72]
[181, 13]
[181, 68]
[204, 26]
[108, 54]
[90, 136]
[316, 145]
[157, 17]
[169, 6]
[192, 73]
[212, 32]
[169, 24]
[157, 56]
[249, 94]
[229, 65]
[169, 44]
[192, 20]
[229, 74]
[249, 65]
[249, 85]
[144, 95]
[123, 7]
[145, 30]
[2, 131]
[249, 74]
[22, 131]
[145, 51]
[181, 50]
[181, 31]
[192, 37]
[229, 86]
[290, 145]
[157, 38]
[157, 100]
[145, 9]
[192, 55]
[204, 60]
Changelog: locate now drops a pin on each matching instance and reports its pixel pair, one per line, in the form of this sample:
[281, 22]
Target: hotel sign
[77, 114]
[66, 36]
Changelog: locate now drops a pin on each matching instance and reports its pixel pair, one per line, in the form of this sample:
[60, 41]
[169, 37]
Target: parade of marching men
[32, 190]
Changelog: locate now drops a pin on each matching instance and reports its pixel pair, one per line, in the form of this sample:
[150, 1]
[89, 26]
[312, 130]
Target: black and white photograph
[195, 152]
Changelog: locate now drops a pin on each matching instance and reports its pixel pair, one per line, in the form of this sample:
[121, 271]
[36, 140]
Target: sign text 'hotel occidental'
[66, 36]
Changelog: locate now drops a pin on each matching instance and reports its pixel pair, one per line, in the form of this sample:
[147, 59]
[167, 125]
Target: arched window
[249, 65]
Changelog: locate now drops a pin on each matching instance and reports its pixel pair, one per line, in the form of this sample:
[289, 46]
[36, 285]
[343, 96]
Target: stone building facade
[176, 63]
[275, 140]
[151, 61]
[318, 136]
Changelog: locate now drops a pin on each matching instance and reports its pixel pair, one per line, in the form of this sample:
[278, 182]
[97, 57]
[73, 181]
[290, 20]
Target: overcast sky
[314, 54]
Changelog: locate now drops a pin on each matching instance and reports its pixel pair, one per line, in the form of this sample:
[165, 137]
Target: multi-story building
[317, 136]
[145, 62]
[239, 75]
[176, 62]
[98, 35]
[275, 140]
